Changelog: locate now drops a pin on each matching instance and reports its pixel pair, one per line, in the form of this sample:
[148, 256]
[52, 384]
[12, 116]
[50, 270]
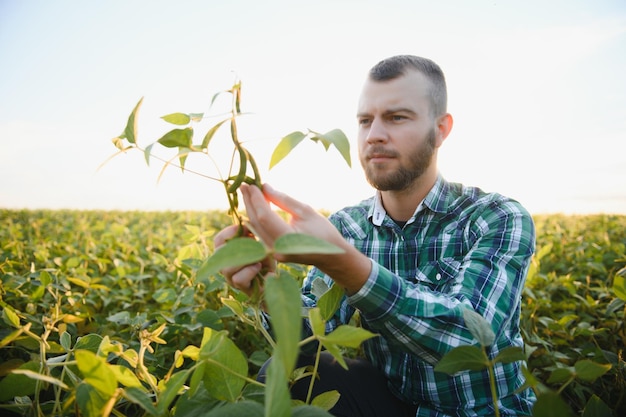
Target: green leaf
[172, 389]
[619, 284]
[238, 409]
[14, 335]
[299, 243]
[546, 249]
[18, 385]
[10, 317]
[277, 397]
[550, 404]
[309, 411]
[209, 318]
[180, 119]
[176, 138]
[209, 135]
[317, 322]
[165, 295]
[463, 358]
[589, 371]
[510, 354]
[236, 252]
[235, 306]
[66, 341]
[479, 327]
[147, 152]
[326, 400]
[596, 408]
[96, 372]
[341, 142]
[141, 398]
[196, 379]
[336, 352]
[282, 297]
[90, 400]
[40, 377]
[125, 376]
[285, 146]
[349, 336]
[560, 375]
[90, 342]
[329, 302]
[130, 132]
[225, 365]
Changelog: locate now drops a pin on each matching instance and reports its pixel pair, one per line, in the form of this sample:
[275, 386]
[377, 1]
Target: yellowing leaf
[96, 372]
[79, 282]
[191, 352]
[180, 119]
[70, 318]
[285, 146]
[40, 377]
[10, 316]
[125, 376]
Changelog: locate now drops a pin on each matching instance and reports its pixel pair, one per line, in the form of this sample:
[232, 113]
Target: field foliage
[106, 312]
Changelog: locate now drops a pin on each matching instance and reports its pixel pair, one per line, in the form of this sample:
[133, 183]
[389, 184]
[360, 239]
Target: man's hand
[241, 278]
[268, 226]
[350, 269]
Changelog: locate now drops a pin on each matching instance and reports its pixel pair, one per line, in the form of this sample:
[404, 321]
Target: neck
[400, 205]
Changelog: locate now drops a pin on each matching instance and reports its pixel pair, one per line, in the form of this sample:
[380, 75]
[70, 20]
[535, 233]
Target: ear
[443, 127]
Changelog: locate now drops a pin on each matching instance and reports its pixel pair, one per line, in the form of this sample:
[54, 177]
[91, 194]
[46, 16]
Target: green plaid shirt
[462, 248]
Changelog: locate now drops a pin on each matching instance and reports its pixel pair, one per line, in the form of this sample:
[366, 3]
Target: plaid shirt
[462, 248]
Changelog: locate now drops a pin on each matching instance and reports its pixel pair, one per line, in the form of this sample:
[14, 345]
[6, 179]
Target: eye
[363, 121]
[397, 117]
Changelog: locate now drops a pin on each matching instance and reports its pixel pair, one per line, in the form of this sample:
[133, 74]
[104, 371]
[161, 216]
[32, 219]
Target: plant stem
[492, 384]
[142, 368]
[317, 363]
[258, 324]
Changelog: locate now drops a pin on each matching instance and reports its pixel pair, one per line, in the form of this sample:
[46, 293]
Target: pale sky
[537, 90]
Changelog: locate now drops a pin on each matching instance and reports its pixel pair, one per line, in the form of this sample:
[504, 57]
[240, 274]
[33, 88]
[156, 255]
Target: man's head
[402, 122]
[396, 66]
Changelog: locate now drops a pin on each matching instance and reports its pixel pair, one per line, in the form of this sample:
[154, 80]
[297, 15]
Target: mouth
[377, 156]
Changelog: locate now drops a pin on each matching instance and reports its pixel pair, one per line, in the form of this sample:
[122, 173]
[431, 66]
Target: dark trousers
[363, 388]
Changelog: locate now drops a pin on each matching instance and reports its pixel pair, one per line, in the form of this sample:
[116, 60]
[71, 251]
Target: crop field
[112, 313]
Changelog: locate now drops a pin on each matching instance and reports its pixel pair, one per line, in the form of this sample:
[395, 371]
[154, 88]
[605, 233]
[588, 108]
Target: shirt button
[438, 277]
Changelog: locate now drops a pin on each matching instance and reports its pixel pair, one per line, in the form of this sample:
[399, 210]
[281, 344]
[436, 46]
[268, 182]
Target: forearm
[423, 322]
[350, 269]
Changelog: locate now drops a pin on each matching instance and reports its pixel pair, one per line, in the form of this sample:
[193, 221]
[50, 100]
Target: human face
[397, 133]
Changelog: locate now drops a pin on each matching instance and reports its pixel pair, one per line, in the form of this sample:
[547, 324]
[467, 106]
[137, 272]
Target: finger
[242, 279]
[286, 203]
[225, 235]
[267, 225]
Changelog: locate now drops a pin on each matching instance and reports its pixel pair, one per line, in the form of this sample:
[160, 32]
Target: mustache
[379, 151]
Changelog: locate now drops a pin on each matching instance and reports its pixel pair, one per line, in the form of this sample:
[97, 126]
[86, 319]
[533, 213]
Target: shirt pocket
[438, 274]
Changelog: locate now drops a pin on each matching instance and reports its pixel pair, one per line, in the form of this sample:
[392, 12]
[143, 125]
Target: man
[416, 255]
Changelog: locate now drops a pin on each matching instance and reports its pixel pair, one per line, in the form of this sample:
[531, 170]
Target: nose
[377, 132]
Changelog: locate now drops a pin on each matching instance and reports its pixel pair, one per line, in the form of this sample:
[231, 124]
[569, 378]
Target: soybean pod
[243, 166]
[255, 169]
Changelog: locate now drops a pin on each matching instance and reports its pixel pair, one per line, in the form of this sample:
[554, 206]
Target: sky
[536, 88]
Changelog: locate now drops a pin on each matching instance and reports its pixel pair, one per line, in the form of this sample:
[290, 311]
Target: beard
[404, 176]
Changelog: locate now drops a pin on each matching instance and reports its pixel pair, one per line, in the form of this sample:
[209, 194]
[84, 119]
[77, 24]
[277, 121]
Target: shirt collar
[436, 200]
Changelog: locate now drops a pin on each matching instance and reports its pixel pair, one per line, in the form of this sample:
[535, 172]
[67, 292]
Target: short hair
[396, 66]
